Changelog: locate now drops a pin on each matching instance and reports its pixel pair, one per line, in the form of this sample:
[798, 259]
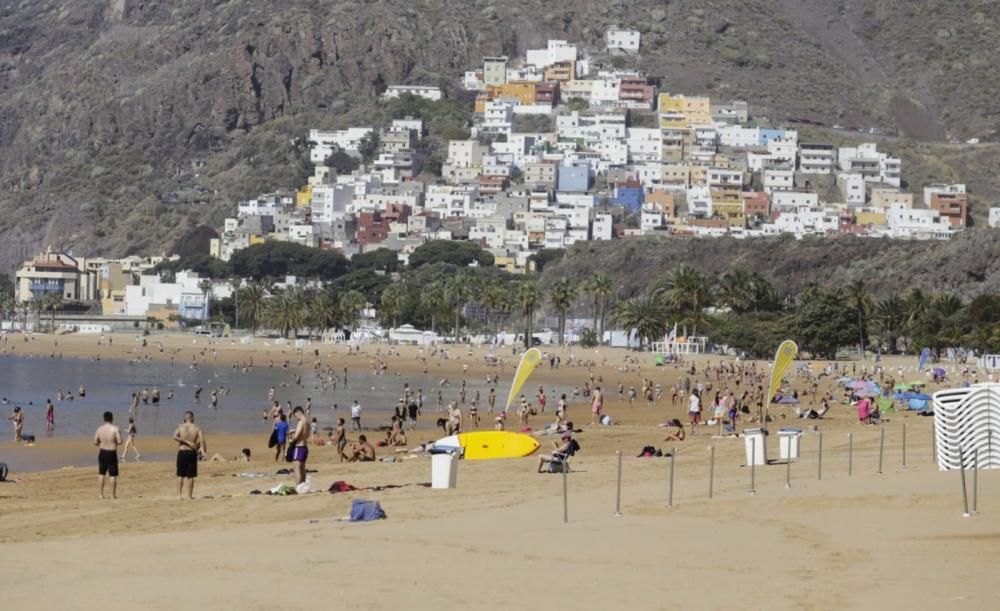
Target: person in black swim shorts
[191, 445]
[107, 439]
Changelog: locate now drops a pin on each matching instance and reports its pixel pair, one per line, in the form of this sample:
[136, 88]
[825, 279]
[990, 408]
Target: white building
[421, 91]
[184, 296]
[994, 221]
[917, 223]
[852, 187]
[347, 140]
[738, 136]
[602, 227]
[871, 164]
[625, 40]
[778, 180]
[555, 51]
[786, 201]
[817, 158]
[644, 144]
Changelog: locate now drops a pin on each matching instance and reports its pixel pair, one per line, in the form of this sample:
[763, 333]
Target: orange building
[953, 206]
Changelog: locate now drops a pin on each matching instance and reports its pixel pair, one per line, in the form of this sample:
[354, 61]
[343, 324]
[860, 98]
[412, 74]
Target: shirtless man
[454, 426]
[363, 451]
[299, 440]
[191, 444]
[107, 439]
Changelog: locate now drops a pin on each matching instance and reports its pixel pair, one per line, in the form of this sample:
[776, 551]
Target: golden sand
[865, 541]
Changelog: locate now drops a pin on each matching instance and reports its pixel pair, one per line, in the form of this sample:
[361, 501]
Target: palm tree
[861, 303]
[351, 304]
[643, 315]
[393, 299]
[529, 296]
[738, 289]
[600, 289]
[493, 300]
[432, 299]
[254, 298]
[561, 297]
[324, 311]
[51, 303]
[457, 292]
[687, 292]
[235, 282]
[890, 315]
[948, 304]
[6, 305]
[285, 311]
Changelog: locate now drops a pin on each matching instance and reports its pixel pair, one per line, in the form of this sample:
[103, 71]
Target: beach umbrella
[902, 396]
[859, 384]
[919, 396]
[918, 383]
[844, 381]
[788, 400]
[902, 387]
[867, 392]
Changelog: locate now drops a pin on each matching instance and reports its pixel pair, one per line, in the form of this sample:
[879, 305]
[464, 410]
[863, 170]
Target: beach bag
[273, 441]
[366, 511]
[3, 471]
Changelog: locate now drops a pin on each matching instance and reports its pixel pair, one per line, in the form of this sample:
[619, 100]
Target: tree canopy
[446, 251]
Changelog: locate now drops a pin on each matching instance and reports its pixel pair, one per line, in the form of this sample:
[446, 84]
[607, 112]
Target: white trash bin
[444, 470]
[756, 445]
[788, 443]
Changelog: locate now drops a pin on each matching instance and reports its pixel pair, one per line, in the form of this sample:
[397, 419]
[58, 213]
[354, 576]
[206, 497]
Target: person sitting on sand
[563, 450]
[362, 451]
[675, 431]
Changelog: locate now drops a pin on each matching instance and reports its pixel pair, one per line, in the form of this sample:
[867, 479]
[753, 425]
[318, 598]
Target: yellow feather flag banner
[529, 361]
[787, 352]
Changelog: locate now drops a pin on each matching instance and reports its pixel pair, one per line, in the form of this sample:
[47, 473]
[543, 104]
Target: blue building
[573, 178]
[630, 195]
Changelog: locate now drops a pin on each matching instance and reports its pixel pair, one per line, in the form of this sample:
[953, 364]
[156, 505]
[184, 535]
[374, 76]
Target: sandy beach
[861, 541]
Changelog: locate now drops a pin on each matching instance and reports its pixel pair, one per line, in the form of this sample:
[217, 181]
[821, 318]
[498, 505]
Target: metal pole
[904, 445]
[753, 461]
[881, 448]
[711, 470]
[670, 498]
[788, 473]
[850, 453]
[965, 494]
[975, 481]
[618, 499]
[565, 499]
[819, 463]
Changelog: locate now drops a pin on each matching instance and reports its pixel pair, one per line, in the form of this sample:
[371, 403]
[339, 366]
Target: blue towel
[366, 511]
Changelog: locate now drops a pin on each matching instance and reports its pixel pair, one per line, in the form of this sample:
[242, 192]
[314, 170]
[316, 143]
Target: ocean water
[27, 382]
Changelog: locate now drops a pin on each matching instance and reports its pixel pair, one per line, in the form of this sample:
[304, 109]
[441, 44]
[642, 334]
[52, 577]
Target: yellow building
[682, 112]
[522, 91]
[870, 218]
[303, 198]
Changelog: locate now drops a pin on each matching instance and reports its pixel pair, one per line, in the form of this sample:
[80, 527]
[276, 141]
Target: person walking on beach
[130, 440]
[300, 444]
[18, 418]
[107, 439]
[356, 416]
[340, 438]
[596, 406]
[191, 445]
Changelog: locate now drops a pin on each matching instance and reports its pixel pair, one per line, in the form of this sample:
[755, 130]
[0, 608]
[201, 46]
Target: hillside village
[610, 156]
[622, 158]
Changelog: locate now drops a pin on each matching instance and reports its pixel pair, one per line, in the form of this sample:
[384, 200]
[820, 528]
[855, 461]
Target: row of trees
[49, 304]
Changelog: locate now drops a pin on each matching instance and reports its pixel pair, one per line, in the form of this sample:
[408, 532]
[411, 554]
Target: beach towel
[283, 490]
[366, 511]
[341, 486]
[885, 405]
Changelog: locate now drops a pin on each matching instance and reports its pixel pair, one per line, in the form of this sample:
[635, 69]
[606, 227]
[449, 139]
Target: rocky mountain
[124, 123]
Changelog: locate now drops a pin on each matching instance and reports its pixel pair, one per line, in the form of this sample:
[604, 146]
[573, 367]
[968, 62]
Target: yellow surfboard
[488, 445]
